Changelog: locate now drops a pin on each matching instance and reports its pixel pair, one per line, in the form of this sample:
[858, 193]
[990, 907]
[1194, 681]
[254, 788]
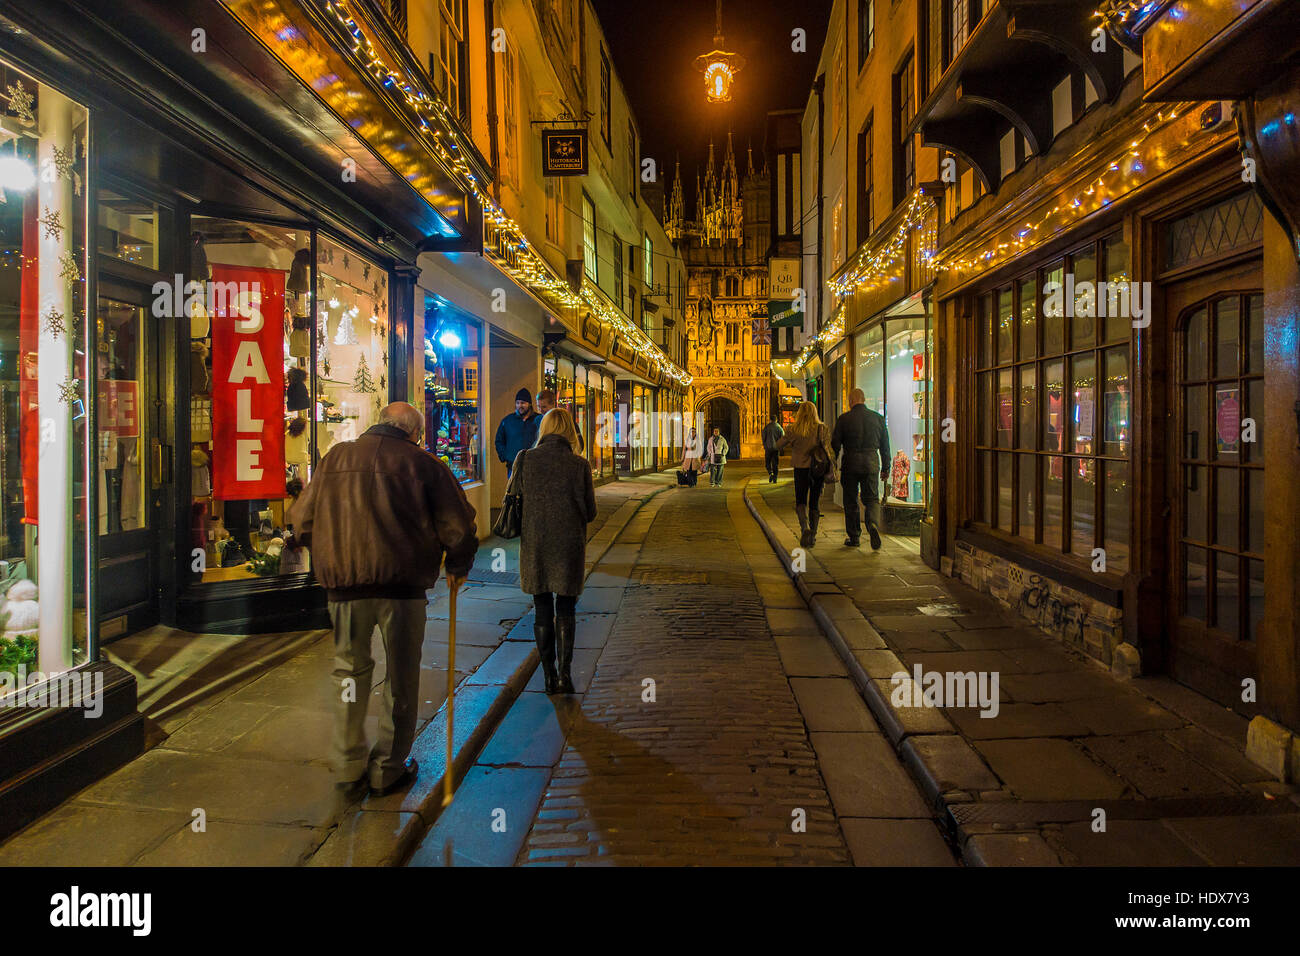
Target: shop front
[1110, 417]
[892, 365]
[584, 388]
[198, 309]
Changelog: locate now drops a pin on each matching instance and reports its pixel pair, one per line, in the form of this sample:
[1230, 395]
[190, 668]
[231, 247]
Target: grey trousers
[401, 627]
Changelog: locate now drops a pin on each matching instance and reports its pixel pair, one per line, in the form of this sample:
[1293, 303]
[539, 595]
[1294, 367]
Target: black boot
[813, 515]
[545, 635]
[565, 625]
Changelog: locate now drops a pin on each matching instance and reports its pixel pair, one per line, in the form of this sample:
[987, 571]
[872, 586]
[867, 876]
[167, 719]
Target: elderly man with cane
[379, 516]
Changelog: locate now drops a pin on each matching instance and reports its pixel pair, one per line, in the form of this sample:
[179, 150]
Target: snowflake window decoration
[69, 270]
[53, 224]
[55, 324]
[21, 101]
[69, 390]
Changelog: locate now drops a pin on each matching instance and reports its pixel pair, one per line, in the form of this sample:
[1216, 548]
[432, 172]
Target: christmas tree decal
[362, 382]
[347, 335]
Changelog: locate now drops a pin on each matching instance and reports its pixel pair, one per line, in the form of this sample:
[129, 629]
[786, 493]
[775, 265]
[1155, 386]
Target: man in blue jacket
[517, 430]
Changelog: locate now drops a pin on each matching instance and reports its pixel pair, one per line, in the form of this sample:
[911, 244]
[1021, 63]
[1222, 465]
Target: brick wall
[1092, 626]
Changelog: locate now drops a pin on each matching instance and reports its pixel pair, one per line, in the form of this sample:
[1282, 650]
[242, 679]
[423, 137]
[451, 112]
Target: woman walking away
[558, 501]
[810, 455]
[691, 458]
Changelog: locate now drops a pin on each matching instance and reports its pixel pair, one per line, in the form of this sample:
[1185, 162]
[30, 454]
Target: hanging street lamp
[719, 66]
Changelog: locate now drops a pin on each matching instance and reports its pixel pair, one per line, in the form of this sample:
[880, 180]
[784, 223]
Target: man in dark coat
[545, 402]
[518, 430]
[772, 433]
[861, 433]
[379, 515]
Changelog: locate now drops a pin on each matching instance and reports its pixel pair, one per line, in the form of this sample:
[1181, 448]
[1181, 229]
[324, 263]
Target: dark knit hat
[523, 395]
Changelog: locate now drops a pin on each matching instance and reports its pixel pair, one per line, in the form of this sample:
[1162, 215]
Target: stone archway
[728, 410]
[723, 414]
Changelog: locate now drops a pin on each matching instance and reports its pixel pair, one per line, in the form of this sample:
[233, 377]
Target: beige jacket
[801, 449]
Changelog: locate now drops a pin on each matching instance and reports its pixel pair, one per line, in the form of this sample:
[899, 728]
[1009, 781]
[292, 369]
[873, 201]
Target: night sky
[654, 44]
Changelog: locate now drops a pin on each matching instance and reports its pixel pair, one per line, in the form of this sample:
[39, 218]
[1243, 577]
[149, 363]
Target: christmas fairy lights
[504, 239]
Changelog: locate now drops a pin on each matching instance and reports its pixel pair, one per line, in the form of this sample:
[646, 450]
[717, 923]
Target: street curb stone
[432, 741]
[932, 779]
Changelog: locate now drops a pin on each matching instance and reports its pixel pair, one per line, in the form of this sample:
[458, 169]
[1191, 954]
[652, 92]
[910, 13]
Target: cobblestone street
[715, 724]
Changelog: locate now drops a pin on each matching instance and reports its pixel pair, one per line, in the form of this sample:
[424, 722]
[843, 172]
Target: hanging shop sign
[247, 383]
[782, 278]
[782, 314]
[564, 152]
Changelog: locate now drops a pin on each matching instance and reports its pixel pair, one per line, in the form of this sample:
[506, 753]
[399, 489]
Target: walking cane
[451, 690]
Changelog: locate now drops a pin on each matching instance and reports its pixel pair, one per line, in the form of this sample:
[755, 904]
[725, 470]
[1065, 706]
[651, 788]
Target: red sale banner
[247, 309]
[119, 407]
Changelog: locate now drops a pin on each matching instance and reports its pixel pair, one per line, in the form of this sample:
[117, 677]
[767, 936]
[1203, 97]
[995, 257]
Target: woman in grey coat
[558, 501]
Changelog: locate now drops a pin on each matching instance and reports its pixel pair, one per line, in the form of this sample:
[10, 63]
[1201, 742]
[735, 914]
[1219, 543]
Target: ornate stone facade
[725, 248]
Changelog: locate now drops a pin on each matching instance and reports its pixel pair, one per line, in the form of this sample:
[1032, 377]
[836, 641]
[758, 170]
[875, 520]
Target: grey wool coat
[558, 502]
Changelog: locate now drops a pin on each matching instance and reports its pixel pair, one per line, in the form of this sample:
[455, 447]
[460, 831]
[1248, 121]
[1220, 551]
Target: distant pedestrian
[814, 466]
[862, 435]
[772, 433]
[379, 515]
[558, 501]
[518, 430]
[691, 458]
[715, 454]
[545, 402]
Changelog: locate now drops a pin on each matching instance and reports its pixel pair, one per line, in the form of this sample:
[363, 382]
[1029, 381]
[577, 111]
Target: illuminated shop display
[44, 442]
[452, 357]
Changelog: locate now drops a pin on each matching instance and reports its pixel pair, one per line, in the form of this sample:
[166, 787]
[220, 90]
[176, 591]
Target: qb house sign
[564, 152]
[248, 385]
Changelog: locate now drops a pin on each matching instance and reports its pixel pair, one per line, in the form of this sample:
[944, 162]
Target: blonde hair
[806, 420]
[558, 421]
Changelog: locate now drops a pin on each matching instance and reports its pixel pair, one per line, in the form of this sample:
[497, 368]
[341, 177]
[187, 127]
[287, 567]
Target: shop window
[44, 339]
[119, 387]
[904, 141]
[604, 96]
[1221, 413]
[1234, 223]
[452, 369]
[1053, 388]
[618, 273]
[589, 238]
[127, 229]
[866, 30]
[249, 382]
[449, 68]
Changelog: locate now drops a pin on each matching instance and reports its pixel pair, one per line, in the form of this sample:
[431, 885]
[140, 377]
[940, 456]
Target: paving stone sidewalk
[250, 760]
[1165, 764]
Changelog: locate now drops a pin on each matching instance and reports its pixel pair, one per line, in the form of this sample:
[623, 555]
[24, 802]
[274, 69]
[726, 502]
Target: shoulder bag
[510, 520]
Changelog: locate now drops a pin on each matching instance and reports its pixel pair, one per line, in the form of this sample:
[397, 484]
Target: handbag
[510, 521]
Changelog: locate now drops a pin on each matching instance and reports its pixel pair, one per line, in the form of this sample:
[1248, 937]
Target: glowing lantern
[719, 66]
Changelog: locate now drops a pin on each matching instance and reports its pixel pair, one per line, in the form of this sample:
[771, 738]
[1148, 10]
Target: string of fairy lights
[885, 264]
[510, 246]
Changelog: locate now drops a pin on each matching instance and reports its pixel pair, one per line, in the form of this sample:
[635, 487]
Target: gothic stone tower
[726, 261]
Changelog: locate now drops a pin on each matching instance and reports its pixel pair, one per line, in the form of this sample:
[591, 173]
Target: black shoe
[564, 628]
[807, 539]
[851, 542]
[408, 775]
[545, 636]
[875, 537]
